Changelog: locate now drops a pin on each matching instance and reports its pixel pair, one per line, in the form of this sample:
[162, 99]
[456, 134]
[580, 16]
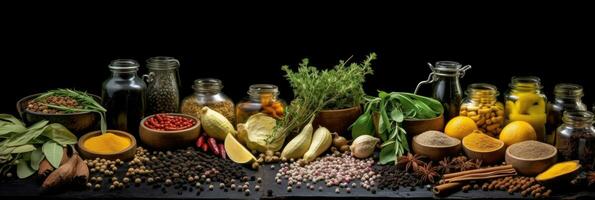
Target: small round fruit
[516, 132]
[459, 127]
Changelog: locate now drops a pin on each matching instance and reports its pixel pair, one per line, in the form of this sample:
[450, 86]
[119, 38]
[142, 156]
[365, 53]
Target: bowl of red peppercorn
[169, 130]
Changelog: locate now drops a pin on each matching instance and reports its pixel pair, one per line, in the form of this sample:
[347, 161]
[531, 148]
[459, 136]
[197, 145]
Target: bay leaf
[24, 170]
[53, 153]
[12, 128]
[23, 148]
[387, 154]
[36, 158]
[59, 134]
[12, 119]
[25, 138]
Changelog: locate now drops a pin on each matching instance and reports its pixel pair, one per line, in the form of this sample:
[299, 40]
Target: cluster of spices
[207, 144]
[340, 170]
[527, 186]
[166, 122]
[46, 105]
[412, 170]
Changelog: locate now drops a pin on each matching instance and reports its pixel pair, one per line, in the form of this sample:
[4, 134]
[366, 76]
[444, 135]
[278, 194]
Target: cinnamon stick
[481, 176]
[446, 188]
[482, 170]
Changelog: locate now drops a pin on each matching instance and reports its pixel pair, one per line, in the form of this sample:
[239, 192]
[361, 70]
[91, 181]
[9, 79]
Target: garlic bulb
[363, 146]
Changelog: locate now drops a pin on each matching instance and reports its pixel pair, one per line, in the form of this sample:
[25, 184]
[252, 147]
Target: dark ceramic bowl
[78, 123]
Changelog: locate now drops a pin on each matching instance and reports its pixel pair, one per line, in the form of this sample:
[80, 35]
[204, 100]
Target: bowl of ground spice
[531, 157]
[436, 145]
[111, 145]
[478, 145]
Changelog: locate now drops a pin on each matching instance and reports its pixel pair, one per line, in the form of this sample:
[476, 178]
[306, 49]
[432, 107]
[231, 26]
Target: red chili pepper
[223, 152]
[213, 146]
[200, 141]
[205, 147]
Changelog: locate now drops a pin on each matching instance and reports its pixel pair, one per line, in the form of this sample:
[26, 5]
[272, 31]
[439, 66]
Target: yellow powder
[481, 142]
[559, 169]
[107, 143]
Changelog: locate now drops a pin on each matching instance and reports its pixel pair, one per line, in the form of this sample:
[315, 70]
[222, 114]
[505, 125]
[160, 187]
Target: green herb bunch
[315, 90]
[391, 109]
[25, 147]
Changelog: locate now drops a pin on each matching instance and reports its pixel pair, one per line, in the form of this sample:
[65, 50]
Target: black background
[61, 51]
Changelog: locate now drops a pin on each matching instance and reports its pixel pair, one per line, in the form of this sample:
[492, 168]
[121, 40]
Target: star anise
[427, 173]
[410, 161]
[470, 165]
[444, 166]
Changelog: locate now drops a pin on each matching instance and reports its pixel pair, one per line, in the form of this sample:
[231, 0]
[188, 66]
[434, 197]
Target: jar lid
[124, 64]
[162, 63]
[568, 90]
[525, 82]
[263, 88]
[449, 68]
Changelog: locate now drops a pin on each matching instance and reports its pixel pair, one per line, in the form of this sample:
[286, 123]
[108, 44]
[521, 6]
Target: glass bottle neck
[129, 74]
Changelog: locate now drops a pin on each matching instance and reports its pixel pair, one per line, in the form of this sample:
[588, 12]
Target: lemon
[236, 151]
[517, 131]
[459, 127]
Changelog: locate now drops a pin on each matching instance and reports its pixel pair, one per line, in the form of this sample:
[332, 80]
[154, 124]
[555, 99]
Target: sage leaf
[23, 169]
[28, 136]
[36, 158]
[59, 134]
[53, 153]
[24, 149]
[12, 119]
[396, 115]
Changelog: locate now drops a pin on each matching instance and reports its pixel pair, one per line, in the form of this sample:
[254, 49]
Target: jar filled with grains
[163, 81]
[207, 92]
[482, 106]
[567, 98]
[262, 98]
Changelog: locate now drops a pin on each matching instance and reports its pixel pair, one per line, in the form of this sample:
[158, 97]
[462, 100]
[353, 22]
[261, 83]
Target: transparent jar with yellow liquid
[526, 102]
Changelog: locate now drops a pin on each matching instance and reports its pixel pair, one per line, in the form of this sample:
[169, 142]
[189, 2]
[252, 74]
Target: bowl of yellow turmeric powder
[111, 145]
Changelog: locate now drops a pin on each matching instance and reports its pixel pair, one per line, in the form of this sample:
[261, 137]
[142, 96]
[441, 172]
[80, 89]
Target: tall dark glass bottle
[124, 96]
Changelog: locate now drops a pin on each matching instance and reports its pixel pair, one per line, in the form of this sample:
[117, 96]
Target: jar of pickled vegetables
[207, 92]
[526, 102]
[482, 106]
[567, 98]
[262, 98]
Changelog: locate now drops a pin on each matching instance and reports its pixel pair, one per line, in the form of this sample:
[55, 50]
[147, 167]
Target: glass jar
[575, 139]
[526, 102]
[123, 96]
[262, 98]
[446, 88]
[567, 98]
[163, 95]
[207, 92]
[482, 106]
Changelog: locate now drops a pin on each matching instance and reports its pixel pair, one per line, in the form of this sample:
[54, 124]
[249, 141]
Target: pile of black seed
[189, 166]
[391, 177]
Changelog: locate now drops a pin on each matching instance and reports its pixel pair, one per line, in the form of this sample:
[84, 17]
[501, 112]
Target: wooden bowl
[338, 120]
[78, 123]
[436, 153]
[530, 166]
[157, 139]
[417, 126]
[126, 154]
[487, 157]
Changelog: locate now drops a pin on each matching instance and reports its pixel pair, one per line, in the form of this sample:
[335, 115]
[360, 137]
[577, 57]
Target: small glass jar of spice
[567, 98]
[575, 139]
[262, 98]
[163, 80]
[207, 92]
[482, 106]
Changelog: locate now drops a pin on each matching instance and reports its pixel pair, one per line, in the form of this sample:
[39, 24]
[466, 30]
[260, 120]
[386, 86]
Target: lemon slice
[236, 151]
